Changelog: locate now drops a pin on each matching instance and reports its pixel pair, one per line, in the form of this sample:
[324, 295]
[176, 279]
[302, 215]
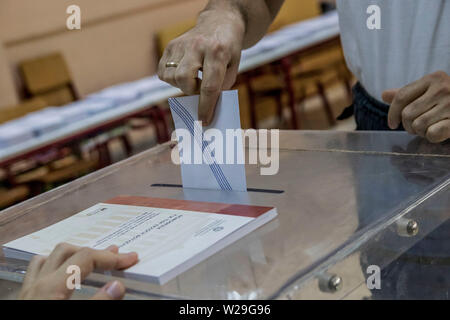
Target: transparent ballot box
[360, 215]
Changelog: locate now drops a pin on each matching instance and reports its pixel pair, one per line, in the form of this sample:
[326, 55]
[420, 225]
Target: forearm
[251, 17]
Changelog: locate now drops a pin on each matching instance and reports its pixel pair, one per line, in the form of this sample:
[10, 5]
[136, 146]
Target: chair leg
[326, 103]
[279, 103]
[127, 145]
[348, 88]
[164, 130]
[345, 76]
[286, 67]
[251, 102]
[153, 117]
[104, 155]
[36, 188]
[301, 98]
[160, 134]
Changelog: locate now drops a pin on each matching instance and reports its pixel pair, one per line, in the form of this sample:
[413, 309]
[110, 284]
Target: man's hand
[46, 276]
[423, 107]
[213, 46]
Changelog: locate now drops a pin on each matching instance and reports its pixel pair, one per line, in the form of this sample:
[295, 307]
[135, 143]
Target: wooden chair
[12, 196]
[268, 82]
[294, 11]
[323, 68]
[154, 116]
[70, 172]
[303, 75]
[31, 175]
[165, 35]
[48, 77]
[55, 173]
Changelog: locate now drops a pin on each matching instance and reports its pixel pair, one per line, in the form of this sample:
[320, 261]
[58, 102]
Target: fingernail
[112, 248]
[115, 290]
[207, 121]
[391, 125]
[133, 254]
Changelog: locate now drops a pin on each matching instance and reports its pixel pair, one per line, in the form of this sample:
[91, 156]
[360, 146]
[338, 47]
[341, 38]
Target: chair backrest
[165, 35]
[14, 195]
[295, 10]
[48, 77]
[19, 110]
[58, 97]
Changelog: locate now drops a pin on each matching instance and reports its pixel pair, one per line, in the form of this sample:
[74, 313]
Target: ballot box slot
[167, 185]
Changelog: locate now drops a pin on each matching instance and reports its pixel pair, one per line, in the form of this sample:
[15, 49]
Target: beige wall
[7, 90]
[115, 44]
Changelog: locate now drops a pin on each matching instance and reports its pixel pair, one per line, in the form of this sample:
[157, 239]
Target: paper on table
[215, 174]
[13, 133]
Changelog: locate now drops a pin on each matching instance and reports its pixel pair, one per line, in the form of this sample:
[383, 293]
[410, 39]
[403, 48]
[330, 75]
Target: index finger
[33, 271]
[405, 96]
[211, 87]
[88, 260]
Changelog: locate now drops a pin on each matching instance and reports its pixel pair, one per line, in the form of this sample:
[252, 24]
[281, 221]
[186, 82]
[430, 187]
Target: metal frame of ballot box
[351, 203]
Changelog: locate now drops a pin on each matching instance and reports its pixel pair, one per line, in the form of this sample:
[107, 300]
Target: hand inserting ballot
[213, 46]
[47, 276]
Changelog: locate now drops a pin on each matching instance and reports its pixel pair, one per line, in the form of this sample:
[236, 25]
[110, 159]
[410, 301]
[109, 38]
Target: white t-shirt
[413, 40]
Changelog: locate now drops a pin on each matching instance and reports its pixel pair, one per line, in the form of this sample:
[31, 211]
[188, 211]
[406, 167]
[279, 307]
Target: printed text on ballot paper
[222, 147]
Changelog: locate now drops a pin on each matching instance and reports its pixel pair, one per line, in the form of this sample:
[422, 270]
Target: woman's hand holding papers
[55, 277]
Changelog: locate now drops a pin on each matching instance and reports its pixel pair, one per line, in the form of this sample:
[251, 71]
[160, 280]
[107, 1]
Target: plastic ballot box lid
[345, 200]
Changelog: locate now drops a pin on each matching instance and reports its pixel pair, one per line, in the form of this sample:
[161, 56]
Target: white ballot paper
[211, 157]
[169, 235]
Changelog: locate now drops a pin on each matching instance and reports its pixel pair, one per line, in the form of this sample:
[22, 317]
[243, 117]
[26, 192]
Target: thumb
[389, 95]
[111, 291]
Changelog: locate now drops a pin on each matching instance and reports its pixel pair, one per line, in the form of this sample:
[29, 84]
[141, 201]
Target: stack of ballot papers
[44, 121]
[69, 113]
[115, 95]
[145, 86]
[52, 118]
[130, 91]
[211, 173]
[170, 236]
[93, 106]
[13, 133]
[40, 123]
